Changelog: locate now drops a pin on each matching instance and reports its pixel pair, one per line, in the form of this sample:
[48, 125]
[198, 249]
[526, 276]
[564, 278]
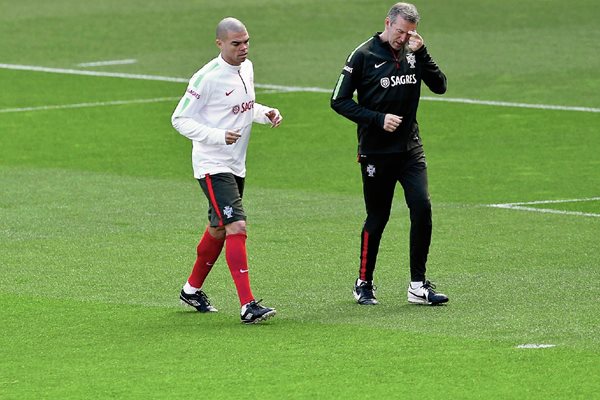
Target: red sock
[208, 251]
[237, 260]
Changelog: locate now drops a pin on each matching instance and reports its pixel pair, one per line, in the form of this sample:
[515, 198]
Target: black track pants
[380, 175]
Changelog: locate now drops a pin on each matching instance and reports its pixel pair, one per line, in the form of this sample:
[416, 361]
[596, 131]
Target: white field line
[535, 346]
[90, 73]
[83, 105]
[509, 104]
[109, 62]
[523, 206]
[280, 88]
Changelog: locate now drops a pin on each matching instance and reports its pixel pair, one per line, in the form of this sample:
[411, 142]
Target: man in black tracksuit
[386, 72]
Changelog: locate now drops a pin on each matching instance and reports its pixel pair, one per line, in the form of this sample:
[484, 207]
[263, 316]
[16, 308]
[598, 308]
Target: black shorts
[224, 193]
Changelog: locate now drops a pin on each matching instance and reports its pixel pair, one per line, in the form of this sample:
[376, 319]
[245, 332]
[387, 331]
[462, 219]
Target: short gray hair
[406, 11]
[229, 24]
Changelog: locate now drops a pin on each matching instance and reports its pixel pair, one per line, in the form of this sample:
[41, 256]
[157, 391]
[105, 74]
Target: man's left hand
[275, 117]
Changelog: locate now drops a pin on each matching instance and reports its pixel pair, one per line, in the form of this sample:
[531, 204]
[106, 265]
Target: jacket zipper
[396, 59]
[245, 88]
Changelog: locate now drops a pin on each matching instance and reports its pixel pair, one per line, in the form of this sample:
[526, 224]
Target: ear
[219, 43]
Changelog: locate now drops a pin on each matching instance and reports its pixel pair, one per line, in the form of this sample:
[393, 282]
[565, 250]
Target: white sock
[416, 285]
[189, 289]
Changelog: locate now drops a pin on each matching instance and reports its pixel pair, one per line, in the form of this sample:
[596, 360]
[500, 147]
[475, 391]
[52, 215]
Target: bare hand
[415, 42]
[232, 136]
[275, 117]
[391, 122]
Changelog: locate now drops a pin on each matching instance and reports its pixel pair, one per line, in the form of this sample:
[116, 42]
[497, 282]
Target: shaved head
[229, 24]
[233, 40]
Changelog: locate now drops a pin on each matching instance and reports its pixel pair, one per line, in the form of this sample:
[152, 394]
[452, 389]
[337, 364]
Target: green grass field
[100, 214]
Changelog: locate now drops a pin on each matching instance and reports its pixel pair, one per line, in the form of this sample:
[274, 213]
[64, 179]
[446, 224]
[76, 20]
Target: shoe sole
[417, 300]
[186, 304]
[262, 318]
[371, 302]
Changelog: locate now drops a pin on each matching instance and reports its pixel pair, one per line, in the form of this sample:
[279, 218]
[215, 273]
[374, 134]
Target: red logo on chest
[242, 108]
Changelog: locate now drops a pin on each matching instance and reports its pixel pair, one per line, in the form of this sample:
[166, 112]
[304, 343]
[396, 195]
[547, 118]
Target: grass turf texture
[100, 217]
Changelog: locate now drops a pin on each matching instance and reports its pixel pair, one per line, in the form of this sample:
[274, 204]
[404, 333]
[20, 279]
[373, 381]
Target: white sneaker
[426, 295]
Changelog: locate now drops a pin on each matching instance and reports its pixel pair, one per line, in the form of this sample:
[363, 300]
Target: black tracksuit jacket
[386, 83]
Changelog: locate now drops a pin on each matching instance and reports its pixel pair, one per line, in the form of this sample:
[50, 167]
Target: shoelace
[255, 303]
[203, 296]
[430, 286]
[370, 287]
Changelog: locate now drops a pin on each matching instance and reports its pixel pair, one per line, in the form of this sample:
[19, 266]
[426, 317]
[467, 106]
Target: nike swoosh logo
[416, 295]
[379, 65]
[243, 271]
[228, 93]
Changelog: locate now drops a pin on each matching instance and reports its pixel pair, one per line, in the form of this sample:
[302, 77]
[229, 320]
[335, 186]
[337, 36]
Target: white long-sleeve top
[219, 97]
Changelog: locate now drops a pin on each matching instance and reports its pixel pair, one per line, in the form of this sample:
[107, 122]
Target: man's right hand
[391, 122]
[232, 136]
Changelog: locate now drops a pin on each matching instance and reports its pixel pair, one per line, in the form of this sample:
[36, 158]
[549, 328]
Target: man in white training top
[216, 113]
